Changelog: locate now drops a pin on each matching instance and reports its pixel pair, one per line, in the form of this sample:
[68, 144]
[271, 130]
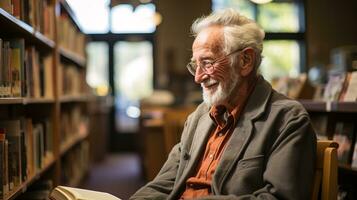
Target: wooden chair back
[325, 179]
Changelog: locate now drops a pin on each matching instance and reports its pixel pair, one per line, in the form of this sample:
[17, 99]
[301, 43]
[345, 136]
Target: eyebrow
[202, 58]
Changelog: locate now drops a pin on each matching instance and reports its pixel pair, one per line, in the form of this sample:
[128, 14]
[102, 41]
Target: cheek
[221, 73]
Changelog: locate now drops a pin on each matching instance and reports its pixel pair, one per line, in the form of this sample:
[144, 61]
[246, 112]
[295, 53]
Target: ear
[247, 61]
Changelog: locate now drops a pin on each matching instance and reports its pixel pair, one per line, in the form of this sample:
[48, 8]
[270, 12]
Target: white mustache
[208, 82]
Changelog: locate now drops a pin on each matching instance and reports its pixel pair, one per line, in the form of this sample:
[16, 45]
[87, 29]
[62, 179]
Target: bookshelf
[329, 115]
[18, 28]
[45, 101]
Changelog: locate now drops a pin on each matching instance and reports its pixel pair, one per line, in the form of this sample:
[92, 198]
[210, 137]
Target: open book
[70, 193]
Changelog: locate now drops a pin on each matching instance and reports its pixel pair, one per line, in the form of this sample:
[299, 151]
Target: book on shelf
[23, 150]
[38, 140]
[32, 72]
[12, 74]
[38, 14]
[69, 37]
[47, 77]
[71, 193]
[38, 74]
[5, 70]
[12, 130]
[39, 153]
[2, 73]
[350, 88]
[6, 5]
[3, 164]
[334, 86]
[30, 146]
[17, 66]
[295, 87]
[344, 136]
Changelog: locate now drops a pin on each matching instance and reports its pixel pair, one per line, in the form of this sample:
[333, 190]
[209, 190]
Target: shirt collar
[219, 113]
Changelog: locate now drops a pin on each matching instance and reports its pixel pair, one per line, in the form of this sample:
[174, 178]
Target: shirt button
[211, 155]
[220, 134]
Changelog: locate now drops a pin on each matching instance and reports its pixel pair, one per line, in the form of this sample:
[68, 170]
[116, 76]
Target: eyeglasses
[206, 65]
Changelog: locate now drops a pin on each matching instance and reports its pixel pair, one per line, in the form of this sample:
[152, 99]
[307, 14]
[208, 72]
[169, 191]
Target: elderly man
[245, 141]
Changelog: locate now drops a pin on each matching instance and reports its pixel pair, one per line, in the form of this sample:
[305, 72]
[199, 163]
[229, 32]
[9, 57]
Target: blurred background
[138, 51]
[121, 90]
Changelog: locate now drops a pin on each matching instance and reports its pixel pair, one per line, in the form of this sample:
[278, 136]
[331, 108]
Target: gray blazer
[270, 155]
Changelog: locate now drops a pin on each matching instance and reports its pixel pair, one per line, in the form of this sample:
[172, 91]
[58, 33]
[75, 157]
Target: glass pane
[94, 17]
[133, 81]
[281, 58]
[97, 68]
[279, 17]
[243, 6]
[126, 19]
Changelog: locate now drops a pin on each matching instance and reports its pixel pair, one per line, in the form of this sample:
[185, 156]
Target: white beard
[222, 93]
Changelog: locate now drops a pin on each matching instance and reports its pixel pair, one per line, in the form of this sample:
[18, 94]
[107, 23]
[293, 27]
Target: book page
[82, 194]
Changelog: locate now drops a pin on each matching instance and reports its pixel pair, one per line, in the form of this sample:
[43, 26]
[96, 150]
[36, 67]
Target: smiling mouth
[209, 84]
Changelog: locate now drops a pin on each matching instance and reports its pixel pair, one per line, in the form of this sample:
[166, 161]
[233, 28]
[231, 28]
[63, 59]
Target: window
[283, 22]
[97, 69]
[276, 65]
[123, 37]
[133, 69]
[95, 17]
[279, 17]
[98, 17]
[126, 19]
[245, 7]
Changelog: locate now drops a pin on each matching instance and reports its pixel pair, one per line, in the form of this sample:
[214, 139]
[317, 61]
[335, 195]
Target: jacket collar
[257, 101]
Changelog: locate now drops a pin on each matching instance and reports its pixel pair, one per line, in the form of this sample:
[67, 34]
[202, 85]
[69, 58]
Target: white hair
[238, 31]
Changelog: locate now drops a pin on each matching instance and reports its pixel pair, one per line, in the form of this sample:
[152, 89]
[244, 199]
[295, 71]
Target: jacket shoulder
[283, 103]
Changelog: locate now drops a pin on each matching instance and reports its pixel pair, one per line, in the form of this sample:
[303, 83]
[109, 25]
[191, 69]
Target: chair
[325, 180]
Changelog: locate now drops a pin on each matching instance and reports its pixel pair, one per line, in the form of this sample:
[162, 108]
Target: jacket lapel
[199, 142]
[243, 132]
[235, 146]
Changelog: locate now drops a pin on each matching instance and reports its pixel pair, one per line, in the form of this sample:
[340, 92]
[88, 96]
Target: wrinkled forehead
[209, 39]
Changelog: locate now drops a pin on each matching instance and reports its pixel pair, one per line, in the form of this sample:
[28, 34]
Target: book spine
[17, 66]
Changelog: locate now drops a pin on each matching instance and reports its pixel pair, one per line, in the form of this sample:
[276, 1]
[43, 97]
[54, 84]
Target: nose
[200, 75]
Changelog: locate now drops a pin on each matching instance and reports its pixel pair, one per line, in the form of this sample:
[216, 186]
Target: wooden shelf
[350, 107]
[72, 142]
[38, 100]
[18, 28]
[26, 101]
[22, 188]
[320, 106]
[72, 57]
[315, 106]
[11, 100]
[79, 98]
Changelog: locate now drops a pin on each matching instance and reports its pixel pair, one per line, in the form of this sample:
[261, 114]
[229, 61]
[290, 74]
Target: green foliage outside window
[279, 17]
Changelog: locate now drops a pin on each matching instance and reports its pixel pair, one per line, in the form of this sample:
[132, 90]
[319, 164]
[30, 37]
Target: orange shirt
[200, 184]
